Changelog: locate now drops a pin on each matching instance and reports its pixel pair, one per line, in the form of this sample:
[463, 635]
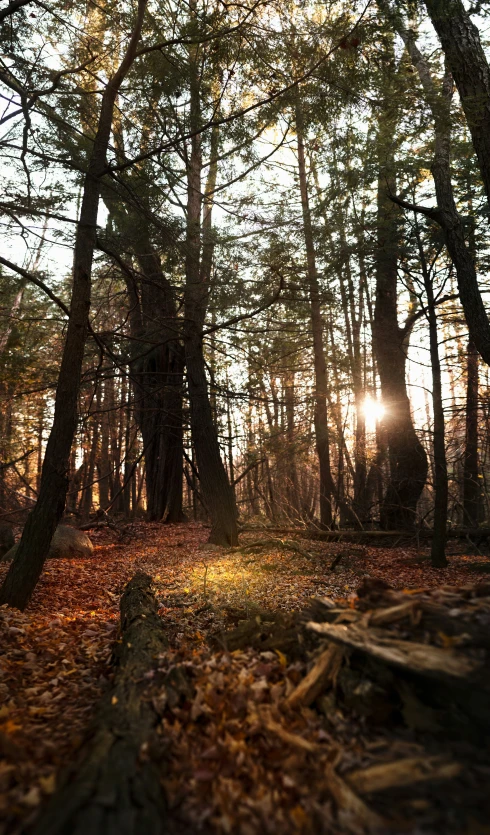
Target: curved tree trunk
[467, 62]
[446, 214]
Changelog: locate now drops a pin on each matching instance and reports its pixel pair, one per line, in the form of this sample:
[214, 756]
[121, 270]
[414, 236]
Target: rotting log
[114, 787]
[451, 685]
[410, 656]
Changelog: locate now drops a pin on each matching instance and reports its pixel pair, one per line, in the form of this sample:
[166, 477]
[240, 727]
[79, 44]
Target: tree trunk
[467, 62]
[291, 466]
[353, 321]
[129, 454]
[104, 458]
[471, 481]
[117, 430]
[215, 486]
[28, 563]
[230, 438]
[446, 214]
[327, 487]
[438, 548]
[87, 492]
[157, 370]
[159, 379]
[407, 457]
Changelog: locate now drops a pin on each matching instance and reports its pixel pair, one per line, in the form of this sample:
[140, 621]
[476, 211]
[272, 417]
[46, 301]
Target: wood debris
[403, 772]
[323, 672]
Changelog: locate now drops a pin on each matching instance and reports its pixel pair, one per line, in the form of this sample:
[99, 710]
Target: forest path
[54, 658]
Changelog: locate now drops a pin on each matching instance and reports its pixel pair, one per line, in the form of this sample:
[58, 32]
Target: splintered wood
[406, 772]
[353, 814]
[409, 655]
[323, 672]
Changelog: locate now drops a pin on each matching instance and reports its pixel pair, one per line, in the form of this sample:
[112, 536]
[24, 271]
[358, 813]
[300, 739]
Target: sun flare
[373, 409]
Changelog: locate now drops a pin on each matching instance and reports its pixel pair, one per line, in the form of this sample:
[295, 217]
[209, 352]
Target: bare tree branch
[243, 316]
[37, 281]
[16, 460]
[12, 7]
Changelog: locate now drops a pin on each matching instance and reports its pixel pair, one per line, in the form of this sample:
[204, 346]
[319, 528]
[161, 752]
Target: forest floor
[55, 663]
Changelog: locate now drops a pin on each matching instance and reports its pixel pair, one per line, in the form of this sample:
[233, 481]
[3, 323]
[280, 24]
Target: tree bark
[104, 468]
[157, 367]
[467, 62]
[471, 481]
[158, 383]
[438, 548]
[327, 486]
[113, 787]
[292, 481]
[446, 214]
[27, 566]
[215, 485]
[93, 435]
[407, 457]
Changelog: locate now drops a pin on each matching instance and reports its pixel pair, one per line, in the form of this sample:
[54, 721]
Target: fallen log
[359, 535]
[274, 543]
[114, 787]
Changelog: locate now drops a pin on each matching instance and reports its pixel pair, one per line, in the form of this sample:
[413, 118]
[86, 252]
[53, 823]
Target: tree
[216, 488]
[41, 524]
[469, 67]
[407, 457]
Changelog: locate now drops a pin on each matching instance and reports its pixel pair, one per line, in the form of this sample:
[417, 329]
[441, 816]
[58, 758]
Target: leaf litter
[242, 756]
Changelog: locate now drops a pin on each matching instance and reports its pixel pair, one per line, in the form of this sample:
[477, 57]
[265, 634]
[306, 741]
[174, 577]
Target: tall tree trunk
[407, 457]
[157, 371]
[353, 321]
[27, 565]
[93, 435]
[355, 356]
[438, 547]
[327, 487]
[292, 481]
[216, 489]
[230, 438]
[104, 457]
[159, 378]
[130, 456]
